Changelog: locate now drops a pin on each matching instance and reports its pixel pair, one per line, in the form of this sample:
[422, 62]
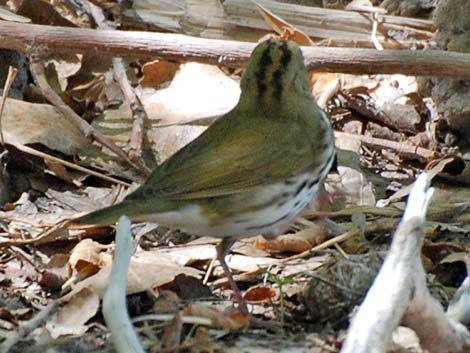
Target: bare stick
[8, 82]
[120, 75]
[404, 150]
[180, 48]
[28, 327]
[399, 292]
[115, 314]
[70, 165]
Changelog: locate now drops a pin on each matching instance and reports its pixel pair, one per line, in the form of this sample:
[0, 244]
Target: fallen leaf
[157, 72]
[146, 270]
[71, 318]
[87, 256]
[27, 123]
[259, 295]
[298, 242]
[220, 320]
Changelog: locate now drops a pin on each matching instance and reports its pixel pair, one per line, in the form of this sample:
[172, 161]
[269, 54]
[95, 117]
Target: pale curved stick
[115, 313]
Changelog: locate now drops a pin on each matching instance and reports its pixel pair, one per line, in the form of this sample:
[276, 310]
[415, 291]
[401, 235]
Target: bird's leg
[222, 249]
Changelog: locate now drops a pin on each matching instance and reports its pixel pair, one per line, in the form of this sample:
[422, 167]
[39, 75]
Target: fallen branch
[30, 38]
[399, 293]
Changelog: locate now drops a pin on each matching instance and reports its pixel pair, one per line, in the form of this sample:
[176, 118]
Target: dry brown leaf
[166, 303]
[323, 86]
[433, 170]
[60, 171]
[203, 341]
[42, 12]
[249, 264]
[66, 66]
[404, 339]
[455, 257]
[87, 255]
[284, 243]
[146, 270]
[157, 72]
[188, 287]
[27, 123]
[221, 320]
[71, 318]
[149, 270]
[352, 186]
[259, 295]
[294, 243]
[187, 254]
[283, 28]
[364, 6]
[442, 252]
[7, 15]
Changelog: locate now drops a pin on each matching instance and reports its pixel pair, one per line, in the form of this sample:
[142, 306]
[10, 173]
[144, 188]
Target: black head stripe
[279, 73]
[286, 54]
[265, 61]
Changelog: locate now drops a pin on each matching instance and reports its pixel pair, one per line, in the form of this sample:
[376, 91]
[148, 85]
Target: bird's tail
[108, 215]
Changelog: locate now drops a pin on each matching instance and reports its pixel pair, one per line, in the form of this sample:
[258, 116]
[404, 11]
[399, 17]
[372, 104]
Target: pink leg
[222, 250]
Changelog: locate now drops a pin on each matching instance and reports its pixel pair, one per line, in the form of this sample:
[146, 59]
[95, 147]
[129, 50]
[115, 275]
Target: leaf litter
[386, 107]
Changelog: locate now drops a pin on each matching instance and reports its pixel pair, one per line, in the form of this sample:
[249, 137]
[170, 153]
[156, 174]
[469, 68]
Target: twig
[375, 24]
[404, 150]
[28, 327]
[70, 165]
[340, 238]
[195, 320]
[120, 75]
[138, 112]
[45, 237]
[12, 72]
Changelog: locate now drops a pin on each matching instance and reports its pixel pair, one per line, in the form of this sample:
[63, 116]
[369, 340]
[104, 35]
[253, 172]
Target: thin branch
[404, 150]
[138, 111]
[12, 72]
[29, 326]
[354, 232]
[70, 165]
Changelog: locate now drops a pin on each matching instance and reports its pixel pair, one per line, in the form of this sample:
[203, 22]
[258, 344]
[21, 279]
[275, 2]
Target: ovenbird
[252, 171]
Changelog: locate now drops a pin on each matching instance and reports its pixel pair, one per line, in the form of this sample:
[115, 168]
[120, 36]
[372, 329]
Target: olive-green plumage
[254, 169]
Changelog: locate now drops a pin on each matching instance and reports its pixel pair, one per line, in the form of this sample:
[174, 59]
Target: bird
[253, 171]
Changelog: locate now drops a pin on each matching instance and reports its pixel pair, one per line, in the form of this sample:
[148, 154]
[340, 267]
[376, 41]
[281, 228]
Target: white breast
[285, 201]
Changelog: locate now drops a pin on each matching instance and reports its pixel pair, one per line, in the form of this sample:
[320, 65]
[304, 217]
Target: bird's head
[276, 70]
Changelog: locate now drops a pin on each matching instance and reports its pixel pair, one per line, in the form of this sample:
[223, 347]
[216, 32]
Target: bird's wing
[232, 157]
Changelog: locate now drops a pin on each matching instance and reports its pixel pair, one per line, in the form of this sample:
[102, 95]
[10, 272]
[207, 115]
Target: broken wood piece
[399, 292]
